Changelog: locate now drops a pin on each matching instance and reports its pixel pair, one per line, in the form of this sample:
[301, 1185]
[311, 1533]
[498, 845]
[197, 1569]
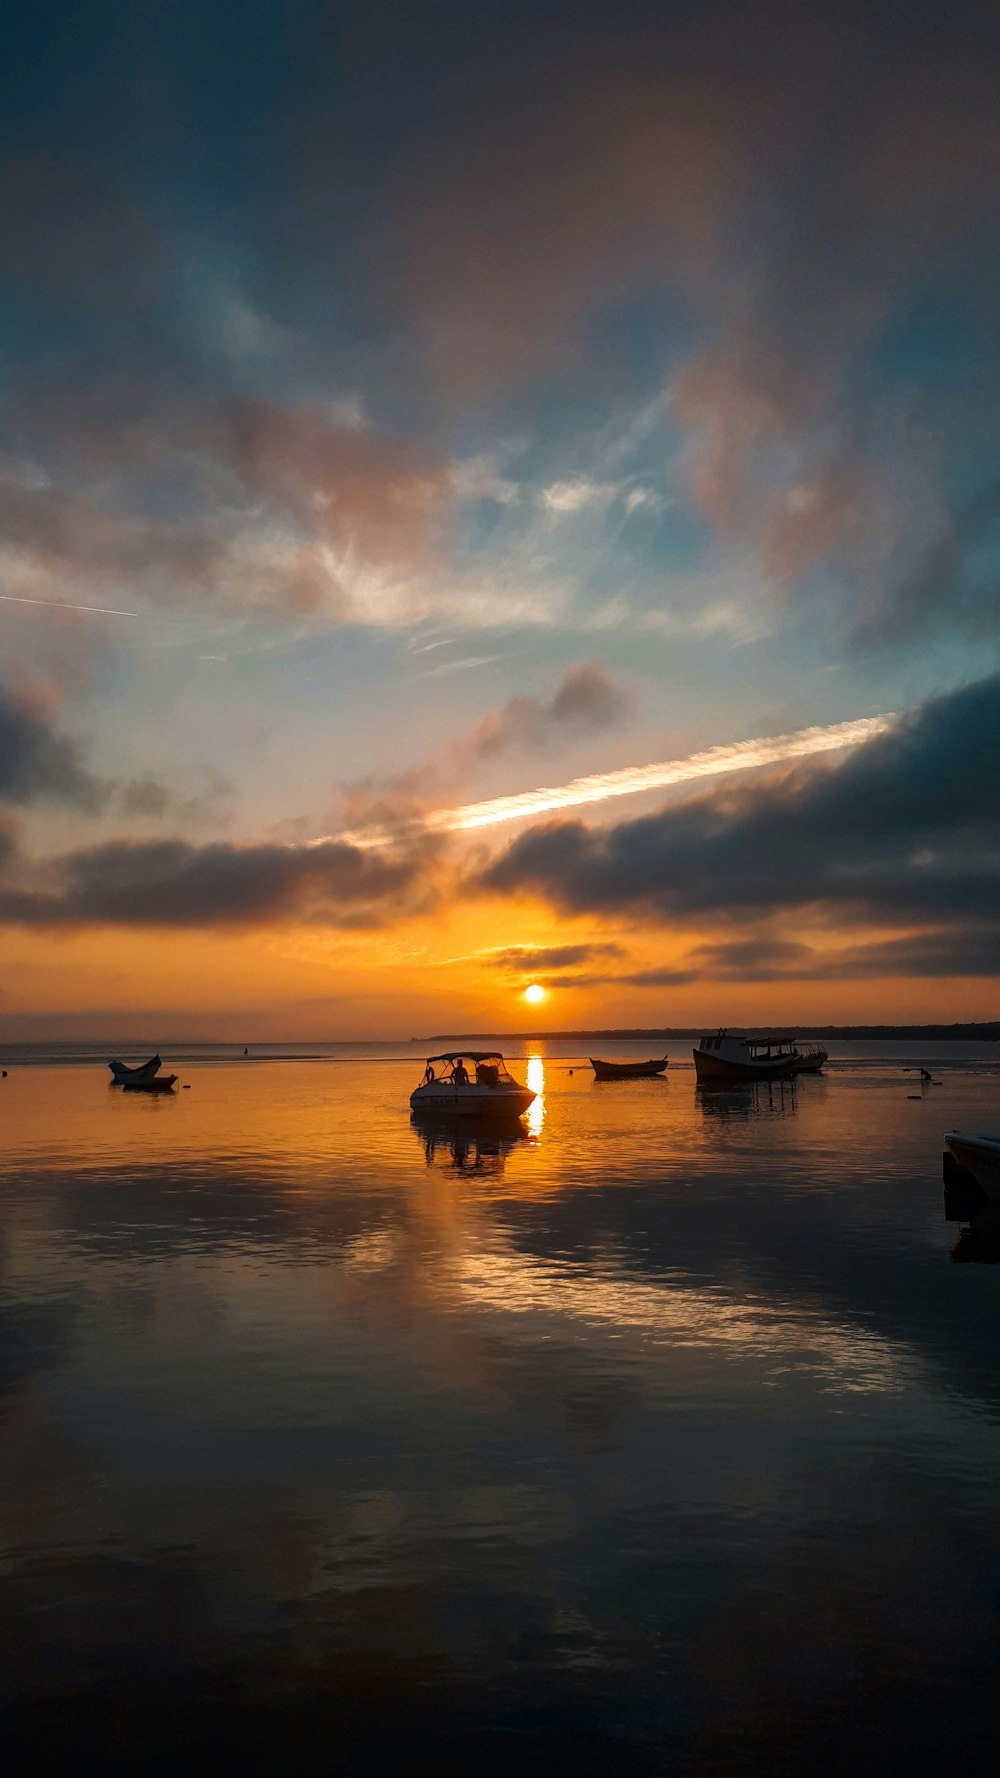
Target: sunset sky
[493, 496]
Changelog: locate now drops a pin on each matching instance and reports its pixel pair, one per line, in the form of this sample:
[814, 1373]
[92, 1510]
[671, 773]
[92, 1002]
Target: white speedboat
[722, 1059]
[979, 1156]
[471, 1083]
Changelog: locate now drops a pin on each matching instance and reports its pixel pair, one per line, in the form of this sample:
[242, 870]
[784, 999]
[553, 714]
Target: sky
[497, 496]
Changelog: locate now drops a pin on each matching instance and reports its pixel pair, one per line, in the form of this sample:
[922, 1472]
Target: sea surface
[662, 1436]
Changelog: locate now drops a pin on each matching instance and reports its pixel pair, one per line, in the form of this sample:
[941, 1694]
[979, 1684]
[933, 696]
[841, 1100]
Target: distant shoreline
[983, 1033]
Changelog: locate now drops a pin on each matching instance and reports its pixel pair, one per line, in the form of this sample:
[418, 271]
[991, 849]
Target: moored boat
[470, 1083]
[723, 1058]
[627, 1070]
[121, 1071]
[978, 1156]
[151, 1083]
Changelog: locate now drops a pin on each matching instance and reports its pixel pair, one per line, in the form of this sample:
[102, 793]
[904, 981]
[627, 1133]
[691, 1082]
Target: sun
[535, 993]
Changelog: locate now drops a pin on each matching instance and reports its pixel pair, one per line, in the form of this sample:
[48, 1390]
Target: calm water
[664, 1438]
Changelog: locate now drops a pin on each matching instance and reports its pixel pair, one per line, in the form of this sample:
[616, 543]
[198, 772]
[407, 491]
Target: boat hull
[713, 1070]
[978, 1156]
[155, 1083]
[811, 1064]
[627, 1070]
[472, 1100]
[121, 1072]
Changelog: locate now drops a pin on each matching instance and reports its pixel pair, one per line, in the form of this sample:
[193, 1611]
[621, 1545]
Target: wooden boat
[152, 1083]
[470, 1083]
[978, 1156]
[722, 1060]
[627, 1070]
[141, 1071]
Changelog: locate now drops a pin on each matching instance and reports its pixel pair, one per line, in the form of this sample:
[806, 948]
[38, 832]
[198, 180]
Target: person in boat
[429, 1075]
[460, 1074]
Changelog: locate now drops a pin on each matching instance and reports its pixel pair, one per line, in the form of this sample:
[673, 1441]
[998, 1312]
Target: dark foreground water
[665, 1438]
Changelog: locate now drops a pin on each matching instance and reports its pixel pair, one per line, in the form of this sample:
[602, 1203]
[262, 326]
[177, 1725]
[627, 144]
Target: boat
[627, 1070]
[978, 1156]
[811, 1058]
[141, 1071]
[723, 1058]
[470, 1083]
[150, 1083]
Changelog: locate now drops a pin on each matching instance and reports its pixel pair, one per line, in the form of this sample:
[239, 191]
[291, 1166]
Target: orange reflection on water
[534, 1117]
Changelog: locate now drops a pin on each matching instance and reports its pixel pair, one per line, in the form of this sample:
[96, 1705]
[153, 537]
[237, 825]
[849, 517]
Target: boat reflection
[759, 1098]
[979, 1242]
[456, 1146]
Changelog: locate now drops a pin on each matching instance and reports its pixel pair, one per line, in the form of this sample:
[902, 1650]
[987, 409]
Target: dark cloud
[587, 698]
[966, 950]
[36, 762]
[904, 831]
[149, 798]
[955, 578]
[39, 764]
[172, 883]
[760, 957]
[551, 958]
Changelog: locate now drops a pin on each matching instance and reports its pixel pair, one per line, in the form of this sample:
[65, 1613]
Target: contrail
[64, 605]
[741, 756]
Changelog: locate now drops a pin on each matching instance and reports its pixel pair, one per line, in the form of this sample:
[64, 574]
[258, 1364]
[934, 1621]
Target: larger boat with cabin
[722, 1059]
[976, 1156]
[470, 1083]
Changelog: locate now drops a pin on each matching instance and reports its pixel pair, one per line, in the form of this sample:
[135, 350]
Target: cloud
[902, 832]
[549, 959]
[36, 762]
[610, 168]
[172, 883]
[804, 450]
[586, 699]
[283, 507]
[148, 798]
[966, 949]
[574, 496]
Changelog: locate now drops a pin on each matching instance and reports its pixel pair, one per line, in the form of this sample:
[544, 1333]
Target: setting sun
[535, 993]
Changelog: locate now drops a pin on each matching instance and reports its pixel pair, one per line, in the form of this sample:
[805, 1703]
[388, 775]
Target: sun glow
[535, 993]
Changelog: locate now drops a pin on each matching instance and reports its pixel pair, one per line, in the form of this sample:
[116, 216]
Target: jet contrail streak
[741, 756]
[64, 605]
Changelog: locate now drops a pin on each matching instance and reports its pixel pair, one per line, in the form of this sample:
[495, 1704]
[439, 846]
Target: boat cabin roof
[467, 1056]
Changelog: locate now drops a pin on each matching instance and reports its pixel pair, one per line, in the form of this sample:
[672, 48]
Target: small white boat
[141, 1071]
[723, 1059]
[978, 1156]
[470, 1083]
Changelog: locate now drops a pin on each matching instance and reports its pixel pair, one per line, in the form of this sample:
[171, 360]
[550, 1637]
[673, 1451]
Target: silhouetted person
[460, 1075]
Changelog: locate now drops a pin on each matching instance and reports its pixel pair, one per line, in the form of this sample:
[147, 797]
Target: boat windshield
[484, 1068]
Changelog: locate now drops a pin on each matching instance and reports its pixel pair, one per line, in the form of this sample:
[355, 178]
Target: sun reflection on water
[534, 1117]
